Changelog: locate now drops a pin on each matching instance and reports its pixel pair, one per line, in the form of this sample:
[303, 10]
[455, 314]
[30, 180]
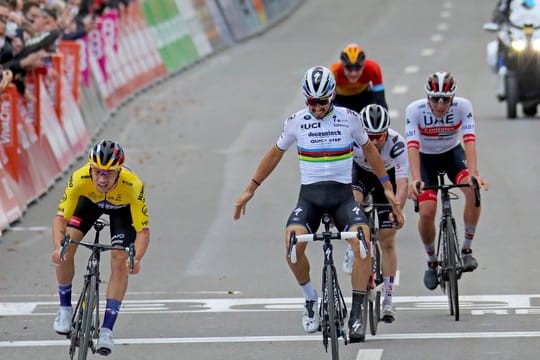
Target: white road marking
[442, 27]
[437, 38]
[29, 228]
[369, 354]
[427, 52]
[446, 14]
[412, 69]
[400, 89]
[394, 114]
[291, 338]
[476, 304]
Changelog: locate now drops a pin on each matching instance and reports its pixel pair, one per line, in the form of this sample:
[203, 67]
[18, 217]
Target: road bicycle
[332, 309]
[85, 321]
[448, 252]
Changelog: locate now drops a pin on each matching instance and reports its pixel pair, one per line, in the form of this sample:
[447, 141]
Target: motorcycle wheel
[529, 110]
[512, 96]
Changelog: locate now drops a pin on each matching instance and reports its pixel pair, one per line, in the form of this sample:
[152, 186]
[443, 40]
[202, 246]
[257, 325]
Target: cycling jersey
[325, 146]
[432, 135]
[128, 192]
[371, 79]
[392, 152]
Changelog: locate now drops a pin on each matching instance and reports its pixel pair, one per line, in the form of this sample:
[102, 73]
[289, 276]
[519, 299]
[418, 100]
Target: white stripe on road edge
[369, 354]
[250, 339]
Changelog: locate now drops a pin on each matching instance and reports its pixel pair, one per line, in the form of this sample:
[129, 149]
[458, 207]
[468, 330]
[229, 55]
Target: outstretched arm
[268, 163]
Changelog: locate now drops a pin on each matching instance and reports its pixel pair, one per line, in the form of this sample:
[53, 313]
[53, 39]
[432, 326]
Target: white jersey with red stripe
[324, 146]
[433, 135]
[392, 152]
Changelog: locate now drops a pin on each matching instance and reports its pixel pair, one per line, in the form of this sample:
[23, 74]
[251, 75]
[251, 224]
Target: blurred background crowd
[30, 30]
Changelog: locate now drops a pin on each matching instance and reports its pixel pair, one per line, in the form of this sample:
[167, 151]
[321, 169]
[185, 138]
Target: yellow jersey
[128, 191]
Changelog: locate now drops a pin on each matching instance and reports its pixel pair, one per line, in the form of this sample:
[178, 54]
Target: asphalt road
[213, 288]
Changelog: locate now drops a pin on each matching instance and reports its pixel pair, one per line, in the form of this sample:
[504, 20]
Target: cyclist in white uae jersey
[391, 146]
[324, 135]
[435, 128]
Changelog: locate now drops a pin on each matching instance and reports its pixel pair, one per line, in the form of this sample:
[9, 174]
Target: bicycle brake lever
[362, 242]
[131, 260]
[476, 188]
[291, 252]
[65, 242]
[416, 206]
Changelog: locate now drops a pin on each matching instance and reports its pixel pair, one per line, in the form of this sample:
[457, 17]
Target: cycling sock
[469, 236]
[112, 308]
[64, 291]
[430, 251]
[309, 292]
[388, 288]
[357, 299]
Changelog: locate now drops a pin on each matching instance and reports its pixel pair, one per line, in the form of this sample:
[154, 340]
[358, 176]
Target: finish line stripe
[255, 339]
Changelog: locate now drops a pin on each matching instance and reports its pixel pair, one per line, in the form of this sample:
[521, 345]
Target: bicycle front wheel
[453, 291]
[332, 312]
[87, 327]
[374, 293]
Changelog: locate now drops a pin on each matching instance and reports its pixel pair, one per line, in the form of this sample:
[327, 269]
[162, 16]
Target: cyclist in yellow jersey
[102, 186]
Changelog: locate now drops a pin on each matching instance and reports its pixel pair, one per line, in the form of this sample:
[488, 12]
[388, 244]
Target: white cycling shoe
[310, 318]
[62, 322]
[105, 343]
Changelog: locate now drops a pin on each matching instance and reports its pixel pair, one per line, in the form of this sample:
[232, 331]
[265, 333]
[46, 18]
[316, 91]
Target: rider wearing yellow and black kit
[358, 80]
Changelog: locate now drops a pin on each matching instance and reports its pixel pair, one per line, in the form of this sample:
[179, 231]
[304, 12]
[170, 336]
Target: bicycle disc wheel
[86, 326]
[453, 293]
[332, 314]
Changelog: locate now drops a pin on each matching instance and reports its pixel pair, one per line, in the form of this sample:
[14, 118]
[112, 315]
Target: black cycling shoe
[431, 280]
[356, 327]
[469, 262]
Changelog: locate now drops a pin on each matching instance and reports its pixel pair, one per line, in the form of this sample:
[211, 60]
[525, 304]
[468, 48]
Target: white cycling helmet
[318, 83]
[375, 118]
[440, 84]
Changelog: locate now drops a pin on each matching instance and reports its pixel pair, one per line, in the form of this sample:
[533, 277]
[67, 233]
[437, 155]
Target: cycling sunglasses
[315, 102]
[353, 67]
[440, 99]
[378, 137]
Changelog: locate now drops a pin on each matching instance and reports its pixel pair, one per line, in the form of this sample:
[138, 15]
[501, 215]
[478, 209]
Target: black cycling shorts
[452, 162]
[86, 213]
[367, 182]
[333, 198]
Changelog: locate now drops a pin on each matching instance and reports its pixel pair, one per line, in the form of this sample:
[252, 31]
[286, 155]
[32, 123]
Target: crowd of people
[31, 29]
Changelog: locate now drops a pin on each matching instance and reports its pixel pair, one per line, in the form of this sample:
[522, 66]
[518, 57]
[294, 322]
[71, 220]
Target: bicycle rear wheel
[87, 328]
[333, 321]
[453, 291]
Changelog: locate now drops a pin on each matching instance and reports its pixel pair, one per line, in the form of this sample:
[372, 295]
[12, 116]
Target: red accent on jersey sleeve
[413, 144]
[469, 137]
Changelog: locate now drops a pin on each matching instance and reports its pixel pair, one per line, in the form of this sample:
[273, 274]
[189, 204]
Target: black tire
[87, 329]
[75, 332]
[530, 110]
[333, 320]
[453, 291]
[512, 96]
[375, 305]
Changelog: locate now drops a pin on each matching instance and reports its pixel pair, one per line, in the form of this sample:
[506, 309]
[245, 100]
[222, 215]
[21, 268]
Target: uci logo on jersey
[315, 125]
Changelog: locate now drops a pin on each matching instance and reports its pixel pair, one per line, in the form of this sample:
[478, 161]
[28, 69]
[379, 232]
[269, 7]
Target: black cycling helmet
[106, 155]
[375, 118]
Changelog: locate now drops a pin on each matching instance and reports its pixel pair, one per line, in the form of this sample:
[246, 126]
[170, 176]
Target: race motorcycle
[515, 58]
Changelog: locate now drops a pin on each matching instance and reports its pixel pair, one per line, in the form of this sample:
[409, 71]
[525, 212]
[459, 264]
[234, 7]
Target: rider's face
[440, 104]
[105, 180]
[319, 107]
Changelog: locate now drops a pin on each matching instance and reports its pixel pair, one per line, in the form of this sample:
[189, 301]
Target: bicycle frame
[85, 321]
[332, 309]
[448, 247]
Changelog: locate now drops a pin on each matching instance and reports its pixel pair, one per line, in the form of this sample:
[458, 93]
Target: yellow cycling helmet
[106, 155]
[353, 54]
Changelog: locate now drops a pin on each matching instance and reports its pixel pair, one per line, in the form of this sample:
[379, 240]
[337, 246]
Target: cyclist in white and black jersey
[324, 136]
[436, 127]
[391, 146]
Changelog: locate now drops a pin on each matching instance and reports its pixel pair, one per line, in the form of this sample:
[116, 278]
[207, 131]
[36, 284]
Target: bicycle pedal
[353, 340]
[388, 319]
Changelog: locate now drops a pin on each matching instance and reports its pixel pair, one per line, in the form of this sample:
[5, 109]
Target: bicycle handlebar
[99, 247]
[294, 239]
[447, 187]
